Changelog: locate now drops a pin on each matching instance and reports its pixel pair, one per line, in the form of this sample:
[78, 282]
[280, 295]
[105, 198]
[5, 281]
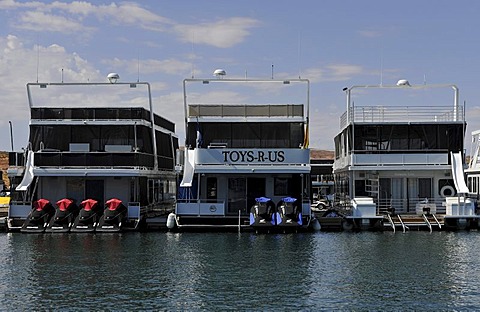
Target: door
[94, 189]
[255, 188]
[237, 188]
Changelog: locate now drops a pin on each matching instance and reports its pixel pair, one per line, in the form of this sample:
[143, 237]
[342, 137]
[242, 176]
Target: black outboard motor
[65, 215]
[289, 212]
[114, 216]
[262, 213]
[38, 219]
[88, 216]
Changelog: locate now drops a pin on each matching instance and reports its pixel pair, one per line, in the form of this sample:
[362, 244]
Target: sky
[334, 44]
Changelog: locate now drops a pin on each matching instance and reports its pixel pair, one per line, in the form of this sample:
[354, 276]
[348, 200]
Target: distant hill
[321, 154]
[4, 167]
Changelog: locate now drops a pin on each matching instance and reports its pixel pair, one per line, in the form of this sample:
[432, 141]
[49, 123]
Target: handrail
[438, 223]
[391, 222]
[405, 227]
[427, 222]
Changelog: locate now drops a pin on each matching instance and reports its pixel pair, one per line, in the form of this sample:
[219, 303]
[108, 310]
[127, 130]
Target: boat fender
[447, 191]
[347, 225]
[316, 225]
[171, 221]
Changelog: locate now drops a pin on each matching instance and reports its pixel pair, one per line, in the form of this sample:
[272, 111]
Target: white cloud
[169, 66]
[370, 33]
[39, 21]
[222, 34]
[333, 72]
[64, 17]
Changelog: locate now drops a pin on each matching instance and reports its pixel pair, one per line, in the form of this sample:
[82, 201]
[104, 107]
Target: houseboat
[399, 164]
[98, 154]
[246, 160]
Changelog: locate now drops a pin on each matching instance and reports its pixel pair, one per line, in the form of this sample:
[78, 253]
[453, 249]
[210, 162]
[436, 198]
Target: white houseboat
[399, 164]
[246, 160]
[93, 148]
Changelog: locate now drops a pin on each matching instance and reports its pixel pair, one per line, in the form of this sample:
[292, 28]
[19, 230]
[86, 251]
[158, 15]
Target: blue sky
[334, 44]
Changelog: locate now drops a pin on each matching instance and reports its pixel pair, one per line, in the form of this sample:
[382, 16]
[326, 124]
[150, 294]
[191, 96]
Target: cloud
[64, 17]
[333, 72]
[68, 17]
[169, 66]
[370, 33]
[225, 33]
[39, 21]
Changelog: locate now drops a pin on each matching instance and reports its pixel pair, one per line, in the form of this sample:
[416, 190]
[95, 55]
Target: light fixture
[113, 77]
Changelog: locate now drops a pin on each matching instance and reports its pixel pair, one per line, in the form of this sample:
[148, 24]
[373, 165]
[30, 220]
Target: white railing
[375, 114]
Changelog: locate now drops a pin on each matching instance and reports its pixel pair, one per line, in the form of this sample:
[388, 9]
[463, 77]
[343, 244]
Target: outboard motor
[65, 215]
[88, 216]
[262, 213]
[38, 219]
[114, 215]
[289, 212]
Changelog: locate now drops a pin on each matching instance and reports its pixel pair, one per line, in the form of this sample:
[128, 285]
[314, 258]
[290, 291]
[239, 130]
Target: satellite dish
[403, 82]
[113, 77]
[219, 73]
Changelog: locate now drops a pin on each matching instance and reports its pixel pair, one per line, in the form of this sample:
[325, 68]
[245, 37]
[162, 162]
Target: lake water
[229, 271]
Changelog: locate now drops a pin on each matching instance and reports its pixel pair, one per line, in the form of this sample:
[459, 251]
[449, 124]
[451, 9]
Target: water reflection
[224, 271]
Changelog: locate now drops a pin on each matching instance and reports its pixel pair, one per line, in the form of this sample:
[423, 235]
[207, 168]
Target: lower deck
[399, 222]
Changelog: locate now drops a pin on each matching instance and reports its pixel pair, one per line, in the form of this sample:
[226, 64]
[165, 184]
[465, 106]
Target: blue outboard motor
[289, 212]
[262, 213]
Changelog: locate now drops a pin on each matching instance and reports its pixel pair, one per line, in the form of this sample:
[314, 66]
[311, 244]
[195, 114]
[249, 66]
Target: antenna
[138, 67]
[38, 57]
[193, 54]
[381, 68]
[299, 56]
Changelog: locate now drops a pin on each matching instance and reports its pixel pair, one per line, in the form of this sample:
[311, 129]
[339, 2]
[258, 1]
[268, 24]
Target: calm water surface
[227, 271]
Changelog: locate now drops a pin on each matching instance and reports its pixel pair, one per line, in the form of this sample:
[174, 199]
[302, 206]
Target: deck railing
[378, 114]
[60, 159]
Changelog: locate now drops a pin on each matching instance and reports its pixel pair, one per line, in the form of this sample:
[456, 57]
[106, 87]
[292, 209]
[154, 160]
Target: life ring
[447, 189]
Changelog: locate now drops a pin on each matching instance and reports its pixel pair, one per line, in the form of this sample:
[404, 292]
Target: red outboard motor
[39, 217]
[65, 215]
[113, 217]
[88, 217]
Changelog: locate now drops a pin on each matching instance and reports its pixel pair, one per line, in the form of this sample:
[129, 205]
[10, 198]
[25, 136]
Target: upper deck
[80, 126]
[246, 113]
[403, 104]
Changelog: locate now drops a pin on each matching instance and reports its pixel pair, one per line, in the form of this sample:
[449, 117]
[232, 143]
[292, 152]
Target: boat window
[211, 188]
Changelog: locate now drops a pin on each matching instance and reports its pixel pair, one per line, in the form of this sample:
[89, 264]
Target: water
[228, 271]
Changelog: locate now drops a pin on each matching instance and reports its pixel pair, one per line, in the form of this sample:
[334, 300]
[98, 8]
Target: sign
[229, 156]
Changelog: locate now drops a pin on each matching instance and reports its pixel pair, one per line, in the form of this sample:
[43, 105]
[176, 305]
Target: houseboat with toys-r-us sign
[399, 165]
[98, 159]
[246, 160]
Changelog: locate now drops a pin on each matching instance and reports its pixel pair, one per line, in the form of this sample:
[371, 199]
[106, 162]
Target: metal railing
[376, 114]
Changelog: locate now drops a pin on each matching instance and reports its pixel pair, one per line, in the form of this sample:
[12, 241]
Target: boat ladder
[392, 224]
[438, 223]
[404, 226]
[427, 222]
